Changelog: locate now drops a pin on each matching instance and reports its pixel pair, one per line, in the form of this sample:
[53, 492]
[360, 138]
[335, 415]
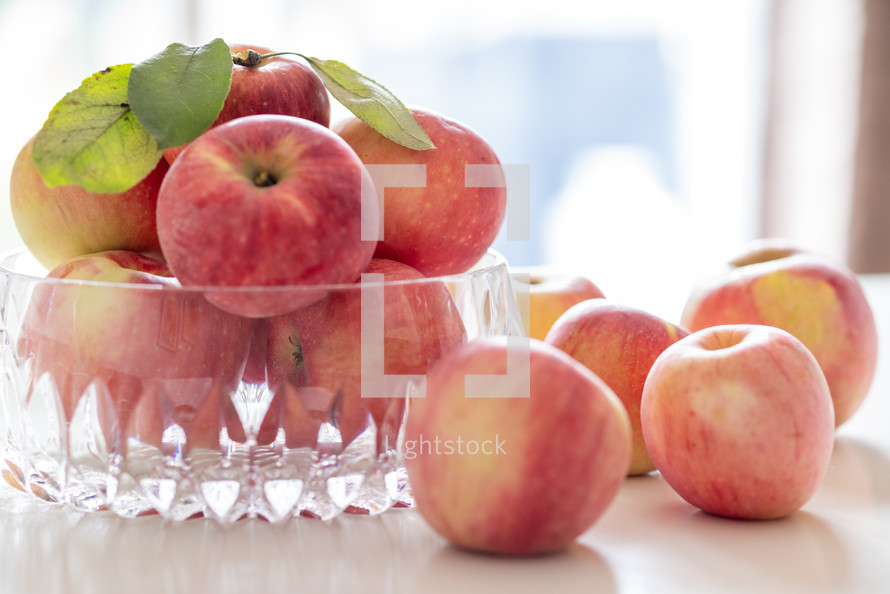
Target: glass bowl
[144, 399]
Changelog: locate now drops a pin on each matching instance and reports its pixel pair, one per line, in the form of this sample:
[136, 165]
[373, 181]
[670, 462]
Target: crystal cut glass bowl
[145, 399]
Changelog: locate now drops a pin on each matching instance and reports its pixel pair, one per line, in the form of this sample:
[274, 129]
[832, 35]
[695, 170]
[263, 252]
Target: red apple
[64, 222]
[546, 293]
[255, 369]
[619, 343]
[443, 227]
[739, 421]
[520, 475]
[130, 329]
[818, 301]
[267, 200]
[202, 421]
[280, 85]
[321, 346]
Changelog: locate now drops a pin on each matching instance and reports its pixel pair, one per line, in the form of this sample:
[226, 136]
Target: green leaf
[372, 103]
[93, 140]
[178, 93]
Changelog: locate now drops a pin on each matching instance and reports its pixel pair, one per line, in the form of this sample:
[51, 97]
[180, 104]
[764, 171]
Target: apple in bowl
[276, 85]
[63, 222]
[819, 301]
[738, 419]
[322, 347]
[441, 226]
[118, 322]
[271, 201]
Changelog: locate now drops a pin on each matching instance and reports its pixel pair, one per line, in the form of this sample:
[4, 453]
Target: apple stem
[264, 179]
[252, 58]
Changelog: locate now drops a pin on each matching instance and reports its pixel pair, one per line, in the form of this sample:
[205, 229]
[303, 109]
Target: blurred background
[660, 135]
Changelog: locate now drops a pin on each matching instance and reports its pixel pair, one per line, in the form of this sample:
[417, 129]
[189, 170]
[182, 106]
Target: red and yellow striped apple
[817, 300]
[515, 476]
[739, 421]
[619, 343]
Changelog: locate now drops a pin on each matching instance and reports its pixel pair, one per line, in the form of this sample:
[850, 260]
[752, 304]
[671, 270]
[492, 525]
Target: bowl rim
[476, 270]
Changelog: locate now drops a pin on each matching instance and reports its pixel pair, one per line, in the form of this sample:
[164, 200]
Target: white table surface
[649, 540]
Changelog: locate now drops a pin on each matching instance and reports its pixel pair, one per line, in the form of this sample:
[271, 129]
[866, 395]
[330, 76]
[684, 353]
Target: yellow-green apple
[279, 85]
[119, 320]
[515, 475]
[819, 301]
[619, 343]
[267, 200]
[546, 293]
[64, 222]
[321, 346]
[443, 227]
[739, 421]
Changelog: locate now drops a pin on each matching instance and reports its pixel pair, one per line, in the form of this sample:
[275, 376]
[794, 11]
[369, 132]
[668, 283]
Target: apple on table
[739, 421]
[819, 301]
[619, 343]
[545, 293]
[131, 330]
[515, 475]
[62, 222]
[267, 200]
[443, 227]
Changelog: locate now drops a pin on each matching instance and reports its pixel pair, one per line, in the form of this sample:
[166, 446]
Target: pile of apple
[736, 406]
[253, 216]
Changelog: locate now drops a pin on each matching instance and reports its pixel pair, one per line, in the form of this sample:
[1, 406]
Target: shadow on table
[452, 569]
[673, 545]
[801, 551]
